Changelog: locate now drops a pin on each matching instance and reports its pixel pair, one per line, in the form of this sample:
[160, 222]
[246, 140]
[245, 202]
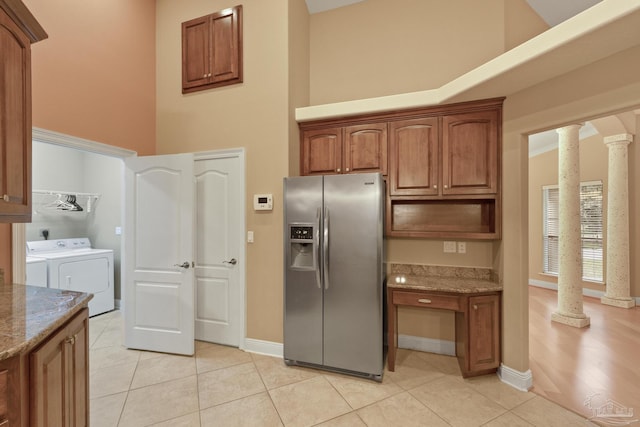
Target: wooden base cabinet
[60, 376]
[10, 392]
[478, 335]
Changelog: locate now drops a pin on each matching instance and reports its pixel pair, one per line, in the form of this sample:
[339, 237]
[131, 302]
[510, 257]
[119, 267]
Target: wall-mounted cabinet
[444, 165]
[359, 148]
[212, 50]
[18, 29]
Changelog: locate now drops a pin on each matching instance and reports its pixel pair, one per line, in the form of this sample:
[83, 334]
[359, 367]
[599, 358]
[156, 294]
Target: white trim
[240, 154]
[522, 381]
[593, 293]
[429, 345]
[268, 348]
[56, 138]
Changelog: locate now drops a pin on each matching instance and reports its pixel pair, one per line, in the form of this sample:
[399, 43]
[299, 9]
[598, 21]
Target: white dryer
[37, 272]
[73, 264]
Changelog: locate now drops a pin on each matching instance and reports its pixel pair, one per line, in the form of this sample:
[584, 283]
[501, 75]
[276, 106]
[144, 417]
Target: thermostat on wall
[263, 202]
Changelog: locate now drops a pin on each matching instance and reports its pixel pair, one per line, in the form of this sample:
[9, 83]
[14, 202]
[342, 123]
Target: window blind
[591, 214]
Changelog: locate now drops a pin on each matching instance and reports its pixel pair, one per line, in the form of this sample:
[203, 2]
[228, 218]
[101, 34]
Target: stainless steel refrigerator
[333, 256]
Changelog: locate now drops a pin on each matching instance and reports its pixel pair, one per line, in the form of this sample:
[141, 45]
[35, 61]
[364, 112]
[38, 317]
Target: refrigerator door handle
[316, 245]
[325, 248]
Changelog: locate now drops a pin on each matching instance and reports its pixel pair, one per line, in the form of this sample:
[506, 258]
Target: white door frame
[240, 154]
[19, 240]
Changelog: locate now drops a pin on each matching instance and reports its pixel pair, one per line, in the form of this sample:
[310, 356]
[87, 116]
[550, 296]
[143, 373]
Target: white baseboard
[586, 292]
[267, 348]
[522, 381]
[427, 344]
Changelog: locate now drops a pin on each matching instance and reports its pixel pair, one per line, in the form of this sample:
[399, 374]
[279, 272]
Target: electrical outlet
[462, 247]
[450, 247]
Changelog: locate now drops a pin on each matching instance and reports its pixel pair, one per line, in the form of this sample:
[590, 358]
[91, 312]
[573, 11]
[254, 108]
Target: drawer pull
[424, 301]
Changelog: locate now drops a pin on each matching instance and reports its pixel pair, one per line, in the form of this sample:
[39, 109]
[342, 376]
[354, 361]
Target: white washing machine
[73, 264]
[37, 272]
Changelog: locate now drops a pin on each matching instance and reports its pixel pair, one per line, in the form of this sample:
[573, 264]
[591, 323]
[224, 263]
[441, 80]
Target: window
[591, 226]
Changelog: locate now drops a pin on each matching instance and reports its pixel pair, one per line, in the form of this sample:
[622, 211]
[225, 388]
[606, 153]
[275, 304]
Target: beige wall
[94, 77]
[254, 114]
[543, 170]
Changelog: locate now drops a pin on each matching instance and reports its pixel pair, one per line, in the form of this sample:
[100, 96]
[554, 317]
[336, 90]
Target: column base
[576, 322]
[618, 302]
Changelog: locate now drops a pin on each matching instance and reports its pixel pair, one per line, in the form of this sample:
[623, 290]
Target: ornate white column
[618, 285]
[570, 308]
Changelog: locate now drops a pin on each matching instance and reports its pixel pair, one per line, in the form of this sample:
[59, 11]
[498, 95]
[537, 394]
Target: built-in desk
[477, 304]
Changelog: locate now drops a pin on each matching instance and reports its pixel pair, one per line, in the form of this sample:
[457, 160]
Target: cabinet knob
[5, 197]
[205, 76]
[71, 340]
[475, 306]
[435, 186]
[347, 169]
[209, 75]
[446, 186]
[338, 170]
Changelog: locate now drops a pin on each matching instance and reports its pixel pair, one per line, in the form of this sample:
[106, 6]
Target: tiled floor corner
[223, 386]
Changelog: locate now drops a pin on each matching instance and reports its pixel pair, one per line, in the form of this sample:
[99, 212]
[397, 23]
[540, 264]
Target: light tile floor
[223, 386]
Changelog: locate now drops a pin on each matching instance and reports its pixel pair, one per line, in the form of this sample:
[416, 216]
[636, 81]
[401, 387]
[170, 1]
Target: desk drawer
[426, 300]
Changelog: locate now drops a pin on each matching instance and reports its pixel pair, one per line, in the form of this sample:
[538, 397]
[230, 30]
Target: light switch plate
[462, 247]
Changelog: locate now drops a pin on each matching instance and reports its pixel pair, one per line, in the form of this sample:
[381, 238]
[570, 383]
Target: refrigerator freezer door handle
[316, 245]
[325, 248]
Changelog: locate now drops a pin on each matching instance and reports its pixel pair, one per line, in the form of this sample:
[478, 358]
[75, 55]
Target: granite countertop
[465, 280]
[30, 313]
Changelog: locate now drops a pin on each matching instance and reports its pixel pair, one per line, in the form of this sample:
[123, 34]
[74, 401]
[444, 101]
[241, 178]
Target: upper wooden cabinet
[444, 165]
[18, 29]
[349, 149]
[212, 50]
[414, 157]
[470, 153]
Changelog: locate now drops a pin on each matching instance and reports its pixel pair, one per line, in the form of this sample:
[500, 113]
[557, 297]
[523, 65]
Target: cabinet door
[225, 46]
[484, 332]
[413, 148]
[15, 123]
[10, 392]
[195, 52]
[470, 153]
[321, 152]
[59, 377]
[365, 148]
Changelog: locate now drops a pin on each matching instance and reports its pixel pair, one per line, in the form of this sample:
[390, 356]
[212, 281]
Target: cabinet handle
[71, 340]
[424, 301]
[475, 306]
[338, 170]
[5, 197]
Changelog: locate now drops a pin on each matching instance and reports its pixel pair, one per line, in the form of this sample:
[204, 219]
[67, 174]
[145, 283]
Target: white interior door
[219, 267]
[158, 233]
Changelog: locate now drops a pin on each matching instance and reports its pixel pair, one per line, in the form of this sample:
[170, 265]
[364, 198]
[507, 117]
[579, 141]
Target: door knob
[232, 261]
[183, 265]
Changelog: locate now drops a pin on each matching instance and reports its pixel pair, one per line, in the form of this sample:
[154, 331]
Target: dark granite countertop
[30, 313]
[464, 280]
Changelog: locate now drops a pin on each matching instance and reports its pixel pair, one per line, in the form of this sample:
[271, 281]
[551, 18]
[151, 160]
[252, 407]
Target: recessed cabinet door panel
[195, 52]
[322, 152]
[414, 157]
[470, 153]
[15, 123]
[365, 148]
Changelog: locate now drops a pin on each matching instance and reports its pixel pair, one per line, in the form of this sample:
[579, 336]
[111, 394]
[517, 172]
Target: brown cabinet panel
[59, 376]
[470, 153]
[414, 157]
[365, 148]
[10, 392]
[15, 122]
[212, 50]
[484, 327]
[321, 152]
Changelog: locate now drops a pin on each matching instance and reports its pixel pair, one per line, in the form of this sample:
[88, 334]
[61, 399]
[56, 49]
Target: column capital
[566, 128]
[623, 138]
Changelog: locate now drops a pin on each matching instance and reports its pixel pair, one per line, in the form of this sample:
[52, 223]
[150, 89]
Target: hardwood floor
[570, 364]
